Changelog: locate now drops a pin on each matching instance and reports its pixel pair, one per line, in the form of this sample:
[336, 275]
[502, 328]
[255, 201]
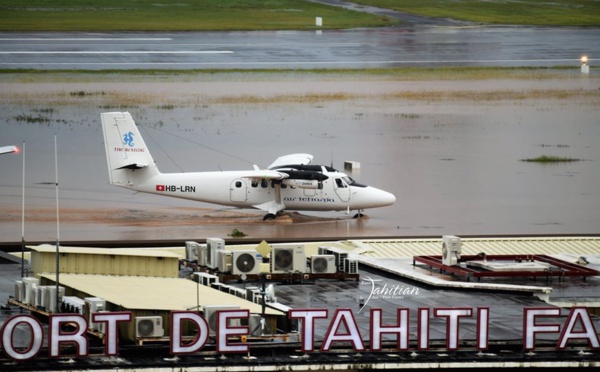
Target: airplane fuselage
[231, 188]
[290, 182]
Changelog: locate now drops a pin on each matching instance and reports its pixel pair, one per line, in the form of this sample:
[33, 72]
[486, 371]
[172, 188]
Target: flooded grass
[205, 75]
[550, 159]
[31, 119]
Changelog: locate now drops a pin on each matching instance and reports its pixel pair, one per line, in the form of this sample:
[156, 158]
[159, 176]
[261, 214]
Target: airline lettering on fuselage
[307, 199]
[173, 188]
[128, 149]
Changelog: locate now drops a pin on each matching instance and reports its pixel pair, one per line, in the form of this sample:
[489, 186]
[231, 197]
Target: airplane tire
[269, 217]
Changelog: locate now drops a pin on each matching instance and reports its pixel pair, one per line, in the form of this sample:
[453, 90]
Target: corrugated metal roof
[146, 293]
[145, 252]
[389, 248]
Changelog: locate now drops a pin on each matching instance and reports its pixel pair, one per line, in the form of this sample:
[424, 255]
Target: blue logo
[128, 139]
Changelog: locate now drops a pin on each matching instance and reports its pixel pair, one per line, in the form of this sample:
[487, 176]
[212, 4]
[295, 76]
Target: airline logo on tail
[128, 139]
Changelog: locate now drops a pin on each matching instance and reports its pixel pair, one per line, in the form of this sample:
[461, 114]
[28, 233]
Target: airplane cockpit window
[340, 183]
[238, 184]
[351, 182]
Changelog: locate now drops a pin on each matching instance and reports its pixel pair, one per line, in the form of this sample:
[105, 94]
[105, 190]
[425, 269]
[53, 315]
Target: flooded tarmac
[450, 151]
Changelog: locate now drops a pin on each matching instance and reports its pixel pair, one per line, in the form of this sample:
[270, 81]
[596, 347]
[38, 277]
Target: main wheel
[269, 217]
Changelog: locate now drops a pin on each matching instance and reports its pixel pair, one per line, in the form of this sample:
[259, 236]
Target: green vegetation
[228, 15]
[180, 15]
[523, 12]
[237, 234]
[31, 119]
[550, 159]
[393, 73]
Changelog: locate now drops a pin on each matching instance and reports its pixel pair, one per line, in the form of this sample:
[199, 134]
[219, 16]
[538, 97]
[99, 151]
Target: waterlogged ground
[450, 150]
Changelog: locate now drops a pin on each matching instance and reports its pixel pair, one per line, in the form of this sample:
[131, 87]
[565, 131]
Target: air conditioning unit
[94, 305]
[70, 304]
[210, 314]
[191, 251]
[245, 262]
[351, 266]
[288, 258]
[149, 326]
[205, 279]
[323, 264]
[224, 261]
[201, 249]
[50, 300]
[323, 250]
[30, 285]
[37, 297]
[340, 257]
[251, 292]
[451, 249]
[19, 290]
[101, 328]
[212, 246]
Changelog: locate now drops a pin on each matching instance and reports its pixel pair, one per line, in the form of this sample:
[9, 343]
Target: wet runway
[355, 48]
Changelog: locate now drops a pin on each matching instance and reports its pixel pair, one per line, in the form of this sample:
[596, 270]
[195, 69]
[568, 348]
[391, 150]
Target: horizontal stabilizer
[8, 149]
[133, 166]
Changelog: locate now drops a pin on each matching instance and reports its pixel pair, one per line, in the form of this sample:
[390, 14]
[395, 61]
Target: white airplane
[289, 183]
[8, 149]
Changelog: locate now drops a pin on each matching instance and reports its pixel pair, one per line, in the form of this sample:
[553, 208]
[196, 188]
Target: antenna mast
[57, 224]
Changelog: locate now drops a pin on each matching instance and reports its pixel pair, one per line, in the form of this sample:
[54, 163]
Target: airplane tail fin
[129, 160]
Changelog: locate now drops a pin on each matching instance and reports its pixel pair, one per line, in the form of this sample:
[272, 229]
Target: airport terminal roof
[393, 248]
[48, 248]
[148, 293]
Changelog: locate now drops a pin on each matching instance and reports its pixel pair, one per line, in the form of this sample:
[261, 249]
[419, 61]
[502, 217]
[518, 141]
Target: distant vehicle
[8, 149]
[289, 183]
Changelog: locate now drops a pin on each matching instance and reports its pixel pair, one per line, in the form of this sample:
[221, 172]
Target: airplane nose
[386, 198]
[378, 198]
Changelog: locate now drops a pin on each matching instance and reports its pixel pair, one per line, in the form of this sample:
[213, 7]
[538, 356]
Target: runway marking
[85, 38]
[122, 52]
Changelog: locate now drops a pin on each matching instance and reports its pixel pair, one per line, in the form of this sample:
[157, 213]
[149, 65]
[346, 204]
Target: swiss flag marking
[160, 187]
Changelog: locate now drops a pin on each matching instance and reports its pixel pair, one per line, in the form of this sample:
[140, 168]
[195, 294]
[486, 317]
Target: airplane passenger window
[264, 184]
[254, 183]
[238, 184]
[283, 185]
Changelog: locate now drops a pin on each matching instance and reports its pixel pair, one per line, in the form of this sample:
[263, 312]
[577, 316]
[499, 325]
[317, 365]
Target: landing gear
[269, 217]
[359, 214]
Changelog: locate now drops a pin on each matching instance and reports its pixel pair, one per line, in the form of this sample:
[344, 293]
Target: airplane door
[342, 189]
[310, 192]
[238, 191]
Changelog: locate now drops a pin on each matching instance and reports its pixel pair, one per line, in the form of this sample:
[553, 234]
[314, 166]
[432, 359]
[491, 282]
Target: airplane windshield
[351, 182]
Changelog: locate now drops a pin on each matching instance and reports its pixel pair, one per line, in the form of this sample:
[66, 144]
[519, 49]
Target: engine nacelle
[303, 184]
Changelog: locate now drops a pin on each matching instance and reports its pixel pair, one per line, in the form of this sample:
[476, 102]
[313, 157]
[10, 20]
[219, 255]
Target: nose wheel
[359, 214]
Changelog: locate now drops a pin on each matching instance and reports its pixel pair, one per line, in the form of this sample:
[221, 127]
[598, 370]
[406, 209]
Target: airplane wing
[8, 149]
[265, 174]
[291, 159]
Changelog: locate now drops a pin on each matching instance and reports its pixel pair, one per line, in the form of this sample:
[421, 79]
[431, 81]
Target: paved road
[358, 48]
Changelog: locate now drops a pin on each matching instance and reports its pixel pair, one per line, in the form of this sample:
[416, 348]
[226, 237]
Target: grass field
[522, 12]
[180, 15]
[212, 15]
